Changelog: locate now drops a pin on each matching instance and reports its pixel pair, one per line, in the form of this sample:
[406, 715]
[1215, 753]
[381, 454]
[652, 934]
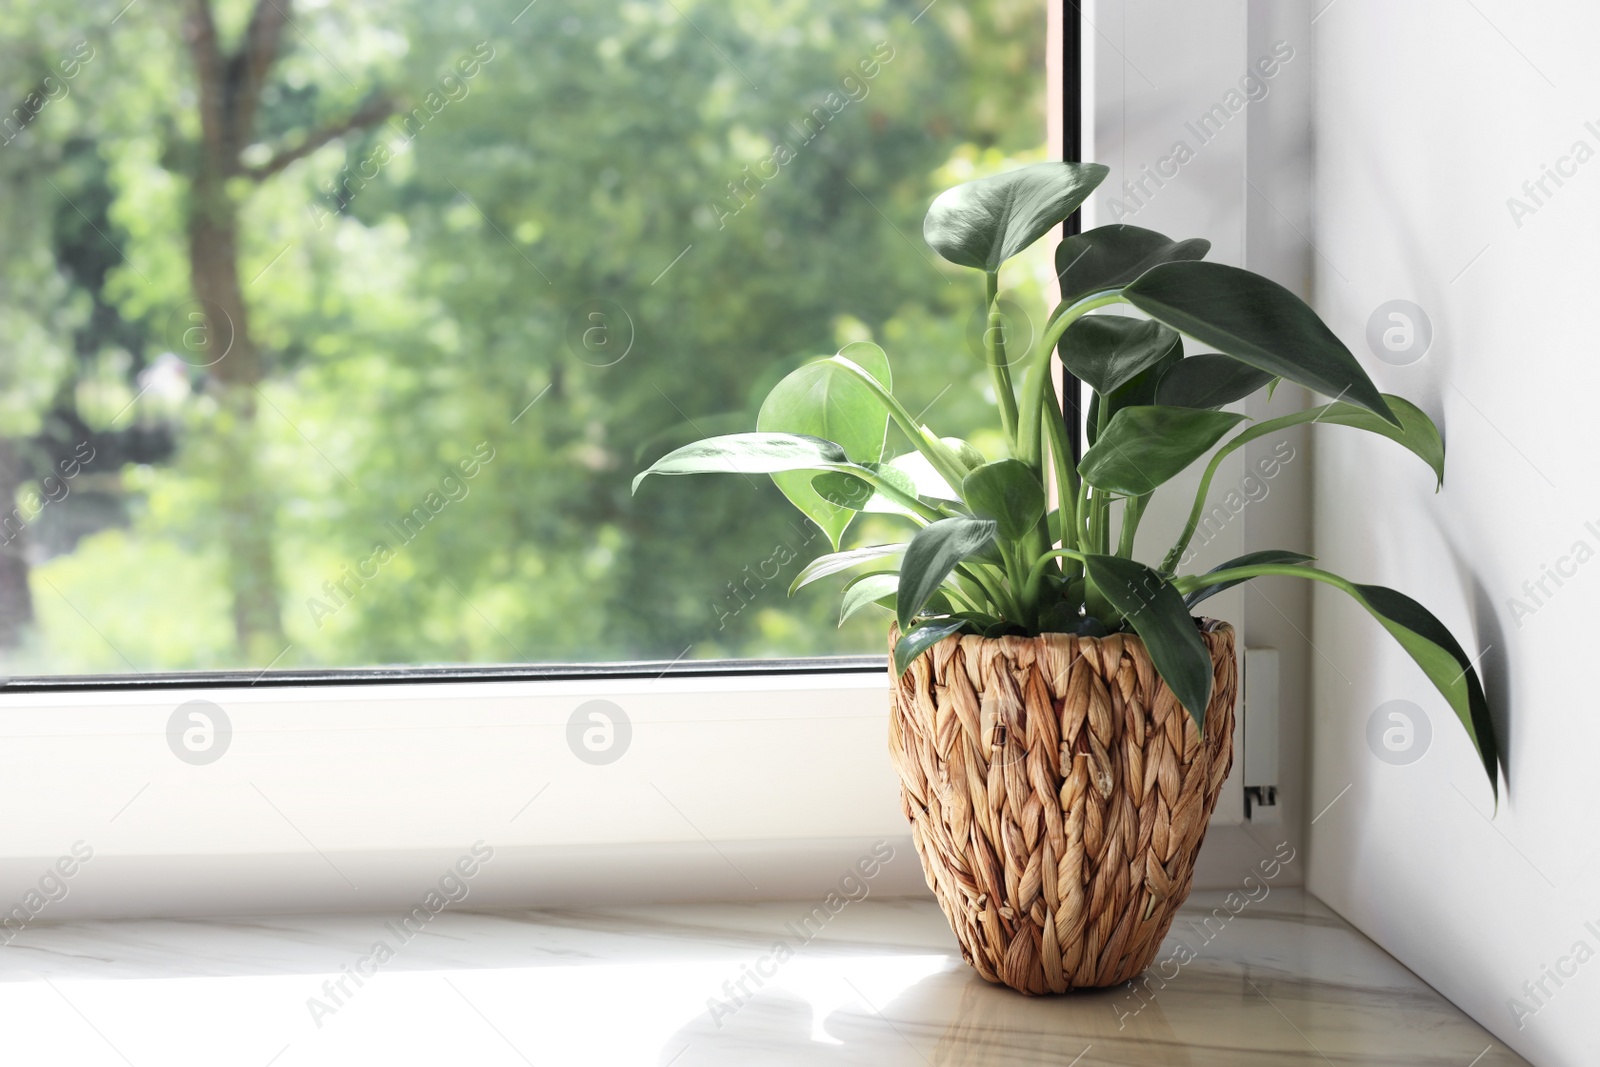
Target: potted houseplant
[1061, 723]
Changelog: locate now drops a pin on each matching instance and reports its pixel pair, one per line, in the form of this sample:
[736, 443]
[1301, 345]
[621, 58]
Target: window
[336, 332]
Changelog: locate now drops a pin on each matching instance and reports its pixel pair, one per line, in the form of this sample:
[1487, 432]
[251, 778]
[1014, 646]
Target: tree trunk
[229, 91]
[16, 598]
[229, 352]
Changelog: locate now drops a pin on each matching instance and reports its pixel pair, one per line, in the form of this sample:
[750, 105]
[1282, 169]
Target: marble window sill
[1283, 982]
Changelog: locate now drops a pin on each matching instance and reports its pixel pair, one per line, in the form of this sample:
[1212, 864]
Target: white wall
[1430, 115]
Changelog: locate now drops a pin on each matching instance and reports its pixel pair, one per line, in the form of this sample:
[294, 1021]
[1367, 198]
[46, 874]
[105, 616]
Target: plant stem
[1261, 429]
[1190, 582]
[1043, 562]
[1083, 515]
[1175, 554]
[993, 589]
[939, 454]
[970, 588]
[1097, 504]
[994, 345]
[1132, 511]
[960, 598]
[1030, 446]
[1067, 485]
[1027, 587]
[1099, 500]
[1067, 482]
[888, 489]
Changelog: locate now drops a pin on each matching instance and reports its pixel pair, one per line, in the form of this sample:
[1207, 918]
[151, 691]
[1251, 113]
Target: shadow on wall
[1488, 634]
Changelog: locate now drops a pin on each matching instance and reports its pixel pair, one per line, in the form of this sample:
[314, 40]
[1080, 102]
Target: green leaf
[1256, 321]
[880, 503]
[985, 222]
[1269, 555]
[1415, 432]
[846, 490]
[822, 400]
[750, 453]
[834, 562]
[943, 457]
[915, 642]
[1424, 638]
[879, 588]
[1009, 492]
[1107, 351]
[843, 489]
[1145, 446]
[876, 588]
[1109, 257]
[1136, 392]
[926, 477]
[1209, 380]
[1158, 616]
[1442, 659]
[930, 557]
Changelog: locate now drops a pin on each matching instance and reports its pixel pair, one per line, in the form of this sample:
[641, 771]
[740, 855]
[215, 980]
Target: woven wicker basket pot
[1058, 794]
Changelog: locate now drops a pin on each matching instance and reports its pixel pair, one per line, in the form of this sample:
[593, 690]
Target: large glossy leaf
[1109, 257]
[750, 453]
[1107, 351]
[917, 641]
[1142, 447]
[1442, 659]
[1268, 555]
[985, 222]
[1137, 391]
[1209, 380]
[1424, 638]
[1158, 616]
[822, 400]
[1257, 321]
[834, 562]
[1415, 432]
[930, 557]
[1009, 492]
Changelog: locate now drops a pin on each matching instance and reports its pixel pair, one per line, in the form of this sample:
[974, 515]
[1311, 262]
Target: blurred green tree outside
[366, 314]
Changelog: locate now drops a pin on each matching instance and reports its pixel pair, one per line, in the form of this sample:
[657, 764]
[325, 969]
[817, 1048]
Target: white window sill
[347, 797]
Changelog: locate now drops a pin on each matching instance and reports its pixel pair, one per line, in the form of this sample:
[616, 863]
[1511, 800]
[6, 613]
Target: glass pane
[334, 334]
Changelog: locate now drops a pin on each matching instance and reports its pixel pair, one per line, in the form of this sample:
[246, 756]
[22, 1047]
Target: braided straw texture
[1058, 794]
